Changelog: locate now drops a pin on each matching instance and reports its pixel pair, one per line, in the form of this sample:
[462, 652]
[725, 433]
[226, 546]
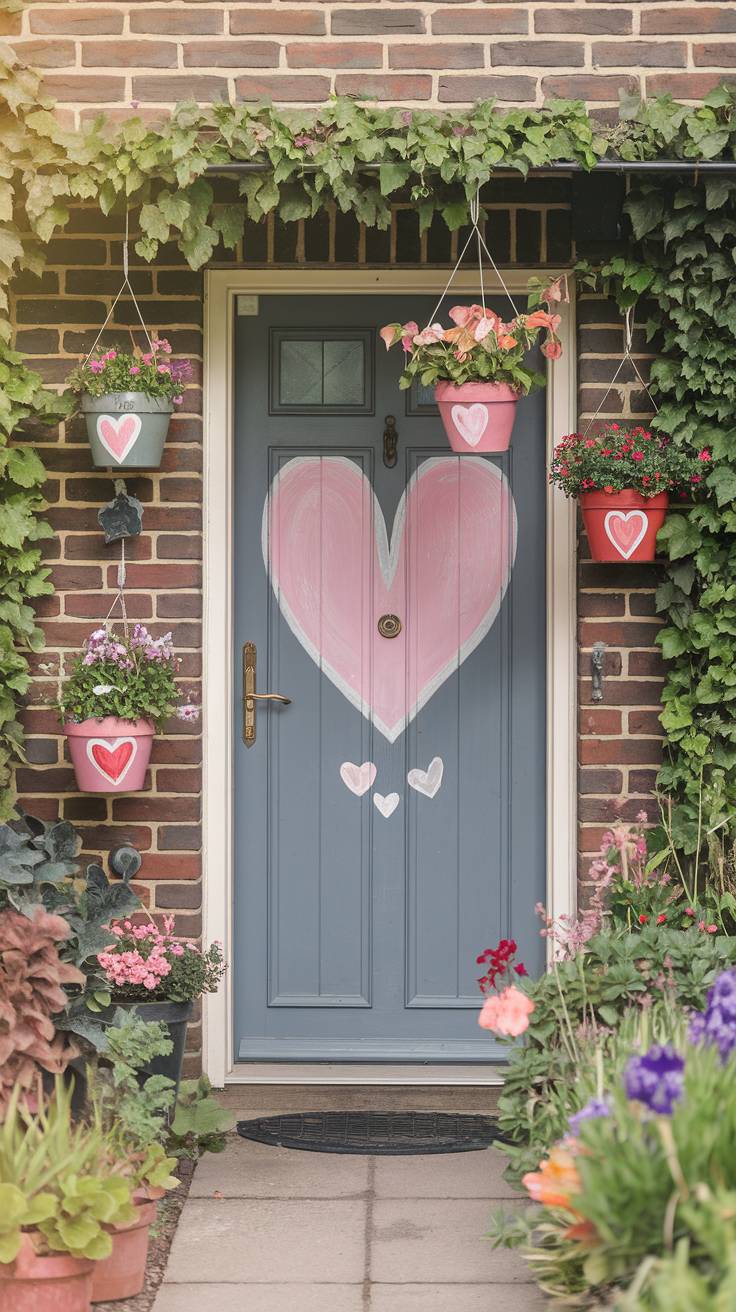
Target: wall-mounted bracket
[596, 671]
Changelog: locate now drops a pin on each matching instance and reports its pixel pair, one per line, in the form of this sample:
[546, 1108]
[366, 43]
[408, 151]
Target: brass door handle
[250, 696]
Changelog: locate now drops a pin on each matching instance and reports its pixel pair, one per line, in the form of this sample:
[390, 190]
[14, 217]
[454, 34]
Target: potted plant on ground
[118, 693]
[479, 366]
[623, 476]
[127, 399]
[158, 974]
[58, 1192]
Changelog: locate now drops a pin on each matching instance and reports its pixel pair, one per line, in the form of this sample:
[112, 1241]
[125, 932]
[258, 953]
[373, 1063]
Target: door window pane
[329, 372]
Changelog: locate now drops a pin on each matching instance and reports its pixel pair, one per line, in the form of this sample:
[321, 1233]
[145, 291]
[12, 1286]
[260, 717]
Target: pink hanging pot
[110, 755]
[477, 416]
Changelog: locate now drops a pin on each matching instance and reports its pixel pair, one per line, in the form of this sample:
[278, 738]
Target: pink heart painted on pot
[113, 758]
[118, 434]
[444, 574]
[625, 530]
[470, 421]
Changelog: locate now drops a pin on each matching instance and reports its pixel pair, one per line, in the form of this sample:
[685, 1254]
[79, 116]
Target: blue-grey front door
[390, 820]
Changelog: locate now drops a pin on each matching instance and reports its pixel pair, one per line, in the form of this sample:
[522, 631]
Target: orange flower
[543, 319]
[556, 1181]
[506, 341]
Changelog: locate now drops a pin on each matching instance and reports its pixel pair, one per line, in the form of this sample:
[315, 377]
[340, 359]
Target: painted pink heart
[118, 434]
[470, 421]
[444, 574]
[113, 758]
[625, 530]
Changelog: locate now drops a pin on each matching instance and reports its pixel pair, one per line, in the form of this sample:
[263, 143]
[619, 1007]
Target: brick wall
[110, 54]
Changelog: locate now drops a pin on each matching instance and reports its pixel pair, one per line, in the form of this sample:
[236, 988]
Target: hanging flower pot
[54, 1283]
[109, 728]
[110, 755]
[623, 477]
[477, 416]
[123, 1273]
[127, 400]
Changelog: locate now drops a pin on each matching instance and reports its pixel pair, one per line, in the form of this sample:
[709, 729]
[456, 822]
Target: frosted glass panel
[343, 373]
[313, 371]
[300, 373]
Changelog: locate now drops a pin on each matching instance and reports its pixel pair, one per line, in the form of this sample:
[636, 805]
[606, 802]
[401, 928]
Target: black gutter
[558, 166]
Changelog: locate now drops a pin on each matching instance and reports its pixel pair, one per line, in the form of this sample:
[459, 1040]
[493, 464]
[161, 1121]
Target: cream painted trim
[221, 288]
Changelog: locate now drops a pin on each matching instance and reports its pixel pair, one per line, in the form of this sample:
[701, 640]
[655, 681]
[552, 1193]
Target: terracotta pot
[123, 1273]
[110, 755]
[126, 430]
[477, 416]
[57, 1283]
[623, 526]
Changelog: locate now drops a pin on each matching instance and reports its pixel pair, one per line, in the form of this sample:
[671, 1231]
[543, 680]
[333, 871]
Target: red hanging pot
[623, 526]
[477, 416]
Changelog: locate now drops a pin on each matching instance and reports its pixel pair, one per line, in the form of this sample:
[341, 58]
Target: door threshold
[347, 1073]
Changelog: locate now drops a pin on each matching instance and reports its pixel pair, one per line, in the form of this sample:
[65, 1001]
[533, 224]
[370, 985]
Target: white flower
[102, 688]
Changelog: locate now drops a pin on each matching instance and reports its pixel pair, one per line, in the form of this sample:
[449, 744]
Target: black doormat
[374, 1133]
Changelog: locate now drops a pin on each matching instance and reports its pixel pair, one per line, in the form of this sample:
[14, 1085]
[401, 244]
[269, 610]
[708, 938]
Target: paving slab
[257, 1170]
[445, 1298]
[232, 1240]
[438, 1241]
[263, 1298]
[444, 1175]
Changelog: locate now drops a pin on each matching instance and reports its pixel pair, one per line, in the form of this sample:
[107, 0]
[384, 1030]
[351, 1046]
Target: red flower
[521, 969]
[696, 478]
[637, 455]
[661, 918]
[643, 919]
[689, 911]
[704, 454]
[608, 489]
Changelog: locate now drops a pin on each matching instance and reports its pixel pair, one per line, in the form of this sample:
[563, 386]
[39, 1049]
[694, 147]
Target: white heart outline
[366, 771]
[388, 560]
[625, 516]
[112, 745]
[460, 415]
[420, 780]
[386, 805]
[116, 420]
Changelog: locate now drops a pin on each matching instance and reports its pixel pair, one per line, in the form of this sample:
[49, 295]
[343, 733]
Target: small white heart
[386, 805]
[427, 781]
[470, 421]
[358, 778]
[625, 531]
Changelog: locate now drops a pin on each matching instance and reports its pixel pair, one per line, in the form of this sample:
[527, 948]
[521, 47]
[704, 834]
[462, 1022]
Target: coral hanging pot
[623, 526]
[126, 430]
[123, 1273]
[477, 416]
[110, 755]
[57, 1283]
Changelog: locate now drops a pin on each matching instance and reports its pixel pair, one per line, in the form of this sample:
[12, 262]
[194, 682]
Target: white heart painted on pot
[470, 421]
[386, 805]
[118, 434]
[427, 781]
[112, 758]
[625, 530]
[358, 778]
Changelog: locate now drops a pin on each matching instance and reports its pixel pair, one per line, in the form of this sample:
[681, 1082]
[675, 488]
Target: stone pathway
[273, 1230]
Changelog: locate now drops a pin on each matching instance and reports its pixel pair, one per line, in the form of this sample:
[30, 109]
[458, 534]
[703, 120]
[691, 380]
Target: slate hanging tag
[122, 517]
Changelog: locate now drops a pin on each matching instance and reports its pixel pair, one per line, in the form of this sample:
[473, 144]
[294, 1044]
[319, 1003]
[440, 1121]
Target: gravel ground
[162, 1235]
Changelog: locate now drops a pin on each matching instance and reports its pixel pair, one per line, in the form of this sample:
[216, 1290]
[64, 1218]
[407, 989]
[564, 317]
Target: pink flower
[111, 355]
[483, 328]
[177, 400]
[96, 366]
[163, 369]
[463, 314]
[552, 349]
[388, 334]
[506, 1013]
[408, 333]
[429, 335]
[704, 455]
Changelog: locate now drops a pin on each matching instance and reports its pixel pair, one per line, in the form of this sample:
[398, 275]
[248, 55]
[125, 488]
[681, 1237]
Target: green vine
[362, 159]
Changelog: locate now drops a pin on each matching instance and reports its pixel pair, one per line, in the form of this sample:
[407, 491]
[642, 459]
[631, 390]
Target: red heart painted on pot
[118, 434]
[113, 758]
[625, 529]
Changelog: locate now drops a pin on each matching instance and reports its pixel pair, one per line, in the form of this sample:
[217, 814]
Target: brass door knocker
[390, 442]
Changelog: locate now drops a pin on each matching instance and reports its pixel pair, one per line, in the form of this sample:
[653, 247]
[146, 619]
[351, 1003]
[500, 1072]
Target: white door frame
[222, 286]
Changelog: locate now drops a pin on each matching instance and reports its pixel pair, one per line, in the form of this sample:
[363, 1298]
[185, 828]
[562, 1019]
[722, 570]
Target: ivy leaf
[723, 482]
[392, 176]
[645, 212]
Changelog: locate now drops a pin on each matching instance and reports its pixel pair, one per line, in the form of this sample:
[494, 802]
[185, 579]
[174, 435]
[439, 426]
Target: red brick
[47, 54]
[435, 55]
[600, 781]
[179, 546]
[201, 88]
[283, 88]
[269, 22]
[601, 603]
[624, 692]
[645, 722]
[158, 576]
[642, 781]
[644, 54]
[180, 837]
[188, 896]
[103, 837]
[42, 751]
[177, 751]
[334, 54]
[684, 86]
[129, 54]
[10, 24]
[44, 808]
[464, 90]
[448, 22]
[619, 751]
[65, 577]
[178, 781]
[45, 781]
[231, 54]
[95, 605]
[646, 663]
[587, 21]
[180, 605]
[376, 20]
[41, 721]
[685, 18]
[145, 807]
[84, 88]
[601, 720]
[618, 634]
[717, 55]
[384, 86]
[544, 54]
[184, 866]
[178, 22]
[73, 20]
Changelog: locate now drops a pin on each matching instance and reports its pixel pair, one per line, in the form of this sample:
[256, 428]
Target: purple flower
[188, 713]
[717, 1024]
[593, 1110]
[96, 366]
[656, 1079]
[181, 370]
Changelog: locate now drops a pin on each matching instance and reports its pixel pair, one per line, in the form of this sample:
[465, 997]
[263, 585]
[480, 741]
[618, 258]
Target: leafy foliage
[619, 457]
[150, 372]
[130, 676]
[200, 1123]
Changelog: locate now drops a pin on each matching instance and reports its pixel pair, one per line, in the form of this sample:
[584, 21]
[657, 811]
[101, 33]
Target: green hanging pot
[126, 430]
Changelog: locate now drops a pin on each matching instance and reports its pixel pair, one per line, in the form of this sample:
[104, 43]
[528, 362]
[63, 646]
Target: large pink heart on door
[470, 421]
[118, 434]
[335, 574]
[113, 758]
[625, 529]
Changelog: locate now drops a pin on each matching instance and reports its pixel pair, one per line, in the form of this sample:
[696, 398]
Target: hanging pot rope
[125, 284]
[119, 598]
[629, 325]
[475, 209]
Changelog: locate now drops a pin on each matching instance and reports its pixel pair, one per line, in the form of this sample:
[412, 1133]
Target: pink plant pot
[477, 416]
[57, 1283]
[123, 1273]
[110, 755]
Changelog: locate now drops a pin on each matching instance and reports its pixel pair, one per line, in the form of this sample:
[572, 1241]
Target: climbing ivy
[361, 159]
